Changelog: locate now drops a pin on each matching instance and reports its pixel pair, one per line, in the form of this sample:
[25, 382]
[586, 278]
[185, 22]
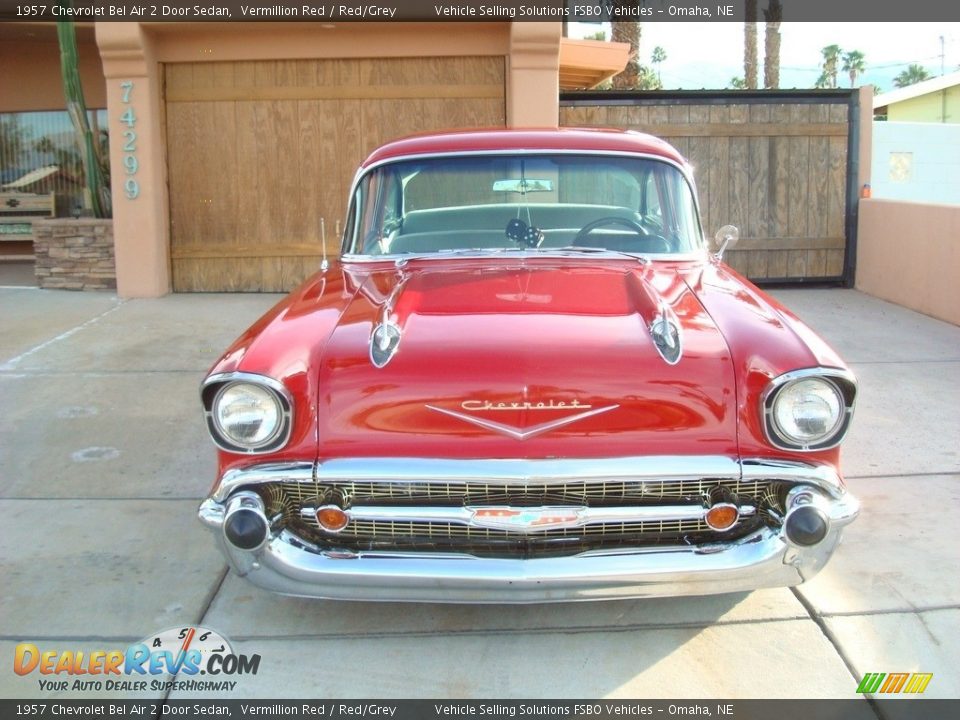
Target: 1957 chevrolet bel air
[527, 379]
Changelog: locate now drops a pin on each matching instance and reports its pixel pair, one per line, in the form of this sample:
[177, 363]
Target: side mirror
[726, 237]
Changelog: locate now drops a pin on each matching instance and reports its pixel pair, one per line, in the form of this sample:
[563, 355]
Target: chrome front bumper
[288, 565]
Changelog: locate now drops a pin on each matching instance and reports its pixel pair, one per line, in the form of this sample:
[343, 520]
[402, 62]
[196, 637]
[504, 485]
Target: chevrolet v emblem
[522, 433]
[525, 520]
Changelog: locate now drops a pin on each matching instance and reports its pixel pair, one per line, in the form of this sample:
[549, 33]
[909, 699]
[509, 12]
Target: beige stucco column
[137, 166]
[533, 74]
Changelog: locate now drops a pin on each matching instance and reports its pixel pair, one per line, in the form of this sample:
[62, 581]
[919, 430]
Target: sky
[708, 55]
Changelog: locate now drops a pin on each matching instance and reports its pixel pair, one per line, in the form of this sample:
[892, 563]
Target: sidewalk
[104, 457]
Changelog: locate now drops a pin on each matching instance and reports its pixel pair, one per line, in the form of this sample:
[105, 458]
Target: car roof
[501, 139]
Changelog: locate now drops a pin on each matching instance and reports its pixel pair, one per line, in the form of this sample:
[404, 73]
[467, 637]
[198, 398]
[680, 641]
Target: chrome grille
[378, 529]
[284, 501]
[480, 493]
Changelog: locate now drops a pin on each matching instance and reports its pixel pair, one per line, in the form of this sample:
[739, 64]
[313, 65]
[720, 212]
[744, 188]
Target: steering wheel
[647, 237]
[611, 220]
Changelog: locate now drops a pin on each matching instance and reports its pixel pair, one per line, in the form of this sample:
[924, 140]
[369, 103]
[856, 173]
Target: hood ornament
[384, 342]
[665, 331]
[385, 338]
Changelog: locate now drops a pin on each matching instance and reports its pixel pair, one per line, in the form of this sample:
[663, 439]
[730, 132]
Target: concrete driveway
[104, 457]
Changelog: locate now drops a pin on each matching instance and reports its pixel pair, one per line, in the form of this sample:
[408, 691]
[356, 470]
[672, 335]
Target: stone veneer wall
[74, 254]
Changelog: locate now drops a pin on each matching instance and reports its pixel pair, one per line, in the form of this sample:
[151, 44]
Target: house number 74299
[131, 187]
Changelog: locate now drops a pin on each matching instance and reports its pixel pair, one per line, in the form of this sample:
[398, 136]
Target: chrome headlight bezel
[840, 381]
[212, 391]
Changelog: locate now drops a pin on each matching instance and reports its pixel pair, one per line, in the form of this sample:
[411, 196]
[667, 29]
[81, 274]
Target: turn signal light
[332, 518]
[722, 516]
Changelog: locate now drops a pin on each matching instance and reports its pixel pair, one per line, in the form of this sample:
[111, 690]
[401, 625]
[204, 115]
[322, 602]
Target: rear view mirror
[523, 186]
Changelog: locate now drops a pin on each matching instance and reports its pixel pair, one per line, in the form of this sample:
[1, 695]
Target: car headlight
[809, 410]
[247, 415]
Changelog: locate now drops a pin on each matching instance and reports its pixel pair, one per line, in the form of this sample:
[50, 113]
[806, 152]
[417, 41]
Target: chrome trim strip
[517, 433]
[824, 477]
[276, 441]
[773, 388]
[520, 472]
[581, 516]
[300, 472]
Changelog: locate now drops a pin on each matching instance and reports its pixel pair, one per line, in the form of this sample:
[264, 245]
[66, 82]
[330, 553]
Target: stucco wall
[909, 253]
[32, 68]
[938, 107]
[919, 162]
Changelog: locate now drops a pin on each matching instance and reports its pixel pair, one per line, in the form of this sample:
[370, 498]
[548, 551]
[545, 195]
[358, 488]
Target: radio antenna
[323, 242]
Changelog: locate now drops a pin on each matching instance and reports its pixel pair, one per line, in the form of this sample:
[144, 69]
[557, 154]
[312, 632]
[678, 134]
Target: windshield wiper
[472, 251]
[403, 258]
[587, 250]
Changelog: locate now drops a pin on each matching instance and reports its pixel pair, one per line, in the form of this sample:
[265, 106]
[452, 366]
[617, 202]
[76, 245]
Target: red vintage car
[527, 379]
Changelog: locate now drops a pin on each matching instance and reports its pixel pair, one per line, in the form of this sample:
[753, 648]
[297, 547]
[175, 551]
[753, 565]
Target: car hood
[528, 358]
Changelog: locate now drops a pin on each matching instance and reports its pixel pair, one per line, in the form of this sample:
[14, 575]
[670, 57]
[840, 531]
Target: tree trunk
[750, 45]
[771, 59]
[627, 32]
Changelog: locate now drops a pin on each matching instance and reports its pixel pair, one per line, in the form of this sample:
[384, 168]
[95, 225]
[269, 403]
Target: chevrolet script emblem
[525, 520]
[526, 407]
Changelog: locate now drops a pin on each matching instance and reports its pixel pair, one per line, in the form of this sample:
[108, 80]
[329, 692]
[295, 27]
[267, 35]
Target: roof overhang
[937, 84]
[584, 64]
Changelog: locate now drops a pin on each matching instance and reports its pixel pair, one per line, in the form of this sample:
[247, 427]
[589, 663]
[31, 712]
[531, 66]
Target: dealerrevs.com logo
[184, 653]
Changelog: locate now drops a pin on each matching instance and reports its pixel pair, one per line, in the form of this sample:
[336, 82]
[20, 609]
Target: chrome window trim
[683, 168]
[525, 254]
[224, 380]
[777, 384]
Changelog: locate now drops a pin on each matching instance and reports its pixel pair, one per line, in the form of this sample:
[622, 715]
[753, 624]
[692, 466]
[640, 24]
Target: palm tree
[647, 79]
[854, 65]
[771, 37]
[738, 83]
[750, 45]
[912, 75]
[627, 32]
[831, 57]
[659, 55]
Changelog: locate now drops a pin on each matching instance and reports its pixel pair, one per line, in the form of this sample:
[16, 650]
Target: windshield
[523, 202]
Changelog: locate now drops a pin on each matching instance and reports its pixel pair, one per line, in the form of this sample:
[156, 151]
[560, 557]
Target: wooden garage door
[259, 152]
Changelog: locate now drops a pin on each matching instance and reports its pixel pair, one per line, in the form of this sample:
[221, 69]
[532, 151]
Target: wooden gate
[259, 152]
[779, 165]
